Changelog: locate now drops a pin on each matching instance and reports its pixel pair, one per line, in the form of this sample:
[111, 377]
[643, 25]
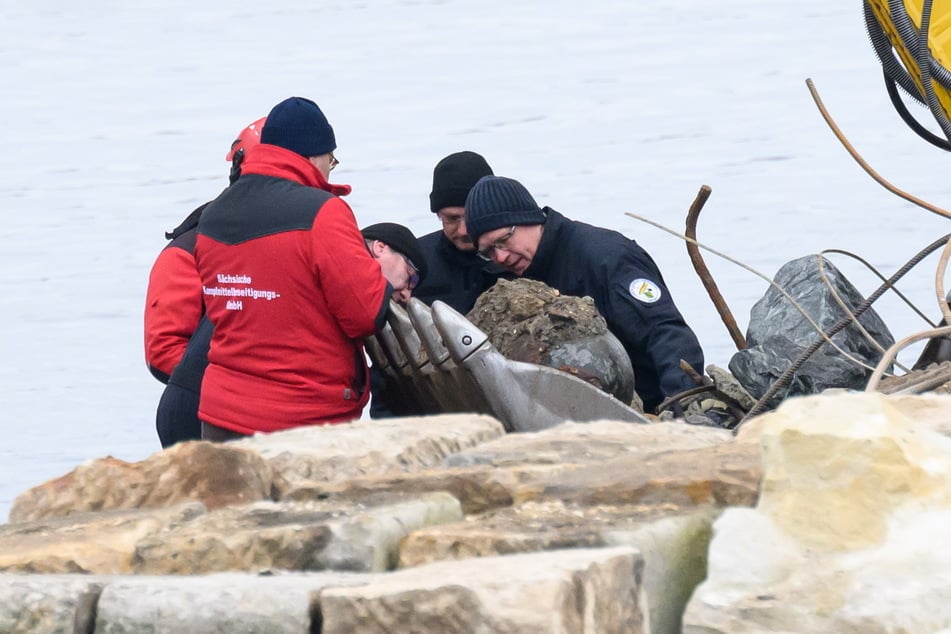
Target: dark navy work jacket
[582, 260]
[453, 276]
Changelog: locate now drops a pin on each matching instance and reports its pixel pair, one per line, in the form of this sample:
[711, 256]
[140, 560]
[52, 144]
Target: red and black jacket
[173, 301]
[292, 292]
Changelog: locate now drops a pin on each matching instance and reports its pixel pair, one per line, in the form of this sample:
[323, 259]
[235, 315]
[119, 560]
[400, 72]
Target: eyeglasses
[333, 162]
[450, 221]
[488, 253]
[413, 281]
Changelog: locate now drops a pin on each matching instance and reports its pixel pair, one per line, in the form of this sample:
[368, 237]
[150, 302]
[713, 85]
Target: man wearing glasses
[456, 274]
[289, 286]
[397, 251]
[578, 259]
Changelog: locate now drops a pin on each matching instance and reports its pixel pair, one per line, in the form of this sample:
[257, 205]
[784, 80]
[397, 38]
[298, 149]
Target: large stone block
[334, 453]
[726, 474]
[855, 456]
[217, 604]
[673, 544]
[102, 543]
[214, 474]
[586, 443]
[478, 488]
[293, 536]
[48, 603]
[565, 591]
[847, 536]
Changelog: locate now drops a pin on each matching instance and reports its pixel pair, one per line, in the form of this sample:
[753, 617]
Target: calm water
[117, 117]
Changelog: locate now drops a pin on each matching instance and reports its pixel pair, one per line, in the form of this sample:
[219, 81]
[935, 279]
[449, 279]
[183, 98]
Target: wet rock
[213, 474]
[529, 321]
[778, 333]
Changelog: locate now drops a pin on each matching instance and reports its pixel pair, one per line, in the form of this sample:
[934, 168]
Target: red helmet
[247, 138]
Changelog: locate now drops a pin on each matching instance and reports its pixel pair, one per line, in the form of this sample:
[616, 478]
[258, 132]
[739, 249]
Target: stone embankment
[803, 522]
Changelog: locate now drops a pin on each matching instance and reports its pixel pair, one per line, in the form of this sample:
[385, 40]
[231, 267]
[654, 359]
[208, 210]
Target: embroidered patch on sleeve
[644, 290]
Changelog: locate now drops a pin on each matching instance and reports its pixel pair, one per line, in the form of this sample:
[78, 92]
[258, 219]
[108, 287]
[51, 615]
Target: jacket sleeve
[351, 279]
[173, 307]
[644, 316]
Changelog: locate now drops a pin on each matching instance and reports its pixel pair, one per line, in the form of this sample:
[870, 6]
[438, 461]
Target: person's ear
[378, 248]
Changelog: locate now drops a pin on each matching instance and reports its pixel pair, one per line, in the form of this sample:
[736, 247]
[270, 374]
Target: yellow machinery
[912, 39]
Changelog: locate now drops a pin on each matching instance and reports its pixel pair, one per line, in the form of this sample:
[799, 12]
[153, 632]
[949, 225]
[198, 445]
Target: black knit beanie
[400, 239]
[297, 124]
[454, 176]
[497, 202]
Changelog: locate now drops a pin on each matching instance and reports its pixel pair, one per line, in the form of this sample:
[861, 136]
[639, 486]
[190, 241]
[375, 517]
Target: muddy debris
[528, 321]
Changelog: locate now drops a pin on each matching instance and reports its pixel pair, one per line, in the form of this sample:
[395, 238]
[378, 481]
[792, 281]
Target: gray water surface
[116, 118]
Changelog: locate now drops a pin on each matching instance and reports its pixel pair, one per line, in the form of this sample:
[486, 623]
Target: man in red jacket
[174, 306]
[289, 286]
[173, 301]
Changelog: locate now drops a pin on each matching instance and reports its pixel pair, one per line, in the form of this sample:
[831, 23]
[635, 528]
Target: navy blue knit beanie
[497, 202]
[454, 176]
[297, 124]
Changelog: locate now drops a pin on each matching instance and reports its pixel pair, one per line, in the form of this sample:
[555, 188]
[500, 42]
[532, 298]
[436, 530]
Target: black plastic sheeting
[778, 333]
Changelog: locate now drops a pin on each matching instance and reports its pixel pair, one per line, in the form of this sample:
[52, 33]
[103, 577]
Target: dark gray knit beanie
[497, 202]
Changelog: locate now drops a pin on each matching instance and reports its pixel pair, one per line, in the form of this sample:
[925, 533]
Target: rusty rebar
[701, 268]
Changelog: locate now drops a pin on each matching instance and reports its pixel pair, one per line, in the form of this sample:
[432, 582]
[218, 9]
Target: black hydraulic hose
[896, 73]
[910, 120]
[786, 377]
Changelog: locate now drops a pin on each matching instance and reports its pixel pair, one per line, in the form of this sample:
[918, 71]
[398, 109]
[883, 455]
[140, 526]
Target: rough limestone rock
[564, 591]
[222, 603]
[102, 543]
[293, 536]
[932, 410]
[379, 447]
[778, 333]
[478, 489]
[48, 603]
[891, 462]
[856, 500]
[673, 544]
[728, 385]
[214, 474]
[584, 443]
[529, 321]
[488, 476]
[727, 474]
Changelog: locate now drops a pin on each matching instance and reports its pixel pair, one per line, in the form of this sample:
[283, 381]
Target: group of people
[258, 306]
